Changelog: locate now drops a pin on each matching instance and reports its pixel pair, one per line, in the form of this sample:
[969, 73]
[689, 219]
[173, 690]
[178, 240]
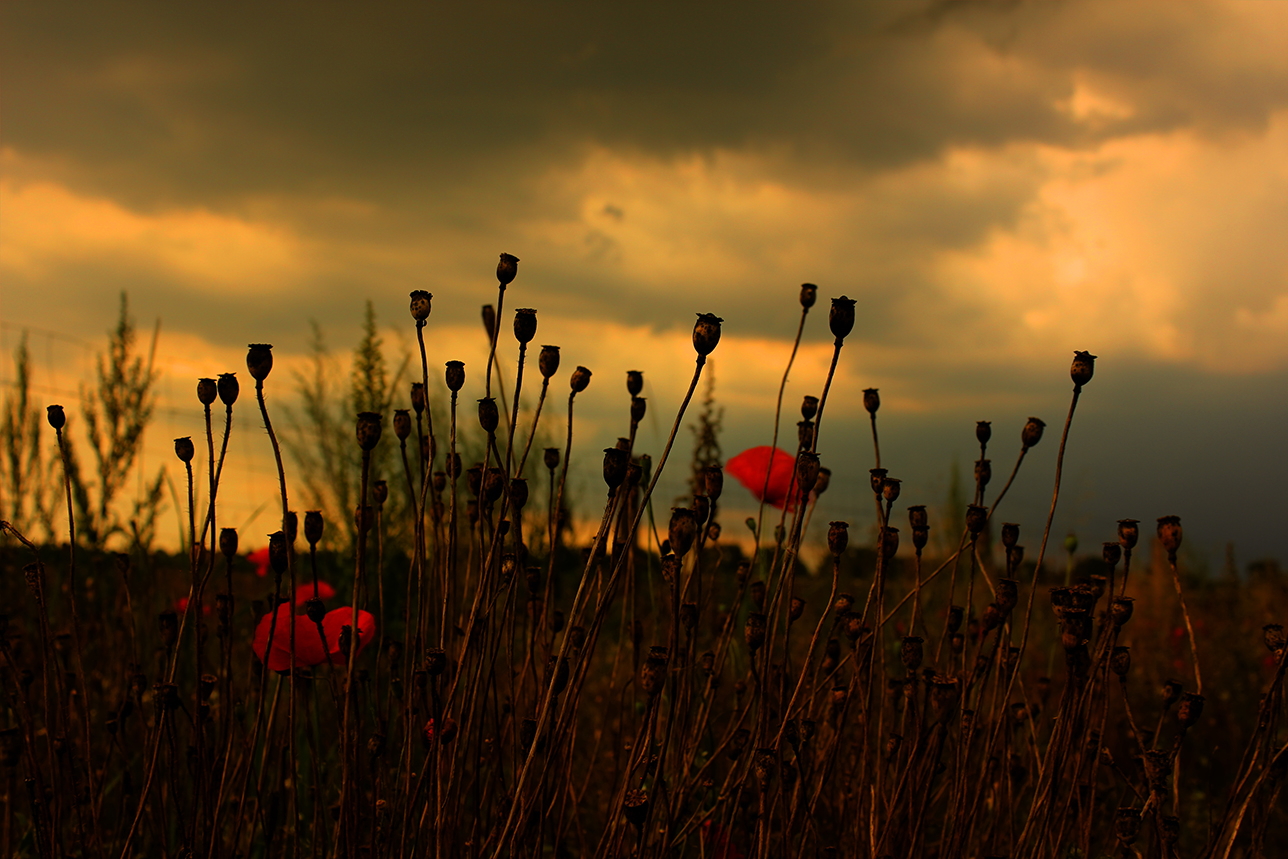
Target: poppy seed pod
[976, 519]
[639, 406]
[1084, 366]
[713, 480]
[57, 417]
[635, 806]
[228, 542]
[754, 632]
[278, 551]
[993, 617]
[1128, 533]
[889, 542]
[805, 435]
[1120, 661]
[955, 614]
[920, 537]
[871, 400]
[877, 477]
[682, 530]
[1120, 610]
[824, 481]
[806, 472]
[634, 382]
[615, 462]
[518, 494]
[809, 295]
[796, 609]
[402, 424]
[706, 333]
[184, 449]
[207, 390]
[911, 652]
[917, 517]
[551, 458]
[454, 376]
[653, 671]
[838, 537]
[701, 508]
[809, 407]
[1169, 534]
[525, 324]
[890, 488]
[1007, 594]
[507, 269]
[580, 379]
[418, 397]
[841, 319]
[983, 431]
[420, 305]
[983, 473]
[368, 430]
[380, 491]
[489, 417]
[1190, 709]
[1171, 693]
[1010, 534]
[313, 526]
[259, 360]
[548, 361]
[228, 388]
[315, 609]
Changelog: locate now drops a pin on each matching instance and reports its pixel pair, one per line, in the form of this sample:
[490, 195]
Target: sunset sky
[997, 183]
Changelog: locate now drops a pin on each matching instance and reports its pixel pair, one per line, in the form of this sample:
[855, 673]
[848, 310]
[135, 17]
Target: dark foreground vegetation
[470, 677]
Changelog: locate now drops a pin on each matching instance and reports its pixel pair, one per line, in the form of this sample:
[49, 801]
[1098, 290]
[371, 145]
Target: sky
[997, 183]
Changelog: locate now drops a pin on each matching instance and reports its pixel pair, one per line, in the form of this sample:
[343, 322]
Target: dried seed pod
[579, 380]
[525, 324]
[278, 552]
[890, 489]
[207, 390]
[1128, 533]
[983, 432]
[639, 406]
[518, 495]
[824, 481]
[489, 415]
[805, 434]
[1010, 534]
[689, 616]
[838, 537]
[1274, 637]
[911, 652]
[841, 319]
[706, 333]
[653, 671]
[983, 473]
[796, 609]
[955, 615]
[228, 389]
[1120, 610]
[682, 531]
[844, 602]
[889, 542]
[635, 808]
[976, 519]
[701, 508]
[380, 491]
[1112, 553]
[713, 481]
[1158, 768]
[1084, 366]
[1120, 661]
[420, 305]
[806, 472]
[765, 765]
[1032, 433]
[368, 430]
[809, 407]
[1170, 829]
[738, 742]
[1169, 534]
[1190, 709]
[615, 462]
[993, 617]
[551, 458]
[168, 624]
[184, 449]
[871, 400]
[754, 631]
[877, 477]
[1171, 693]
[315, 610]
[259, 360]
[507, 269]
[1007, 594]
[809, 295]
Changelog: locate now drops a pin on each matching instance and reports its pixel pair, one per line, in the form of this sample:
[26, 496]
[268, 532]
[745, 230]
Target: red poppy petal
[279, 659]
[751, 467]
[308, 643]
[337, 619]
[259, 558]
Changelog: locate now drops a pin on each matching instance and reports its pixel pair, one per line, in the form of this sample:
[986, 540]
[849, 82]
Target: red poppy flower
[259, 558]
[751, 466]
[304, 592]
[309, 648]
[181, 604]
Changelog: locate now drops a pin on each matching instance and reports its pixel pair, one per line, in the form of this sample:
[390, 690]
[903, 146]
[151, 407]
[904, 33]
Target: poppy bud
[706, 333]
[983, 432]
[809, 407]
[259, 360]
[580, 379]
[368, 430]
[638, 407]
[917, 517]
[402, 424]
[809, 295]
[1010, 534]
[228, 389]
[277, 551]
[871, 400]
[207, 390]
[489, 417]
[420, 305]
[634, 382]
[841, 319]
[976, 519]
[1032, 433]
[525, 324]
[380, 491]
[184, 449]
[507, 269]
[1169, 534]
[615, 462]
[313, 526]
[682, 531]
[754, 632]
[57, 417]
[838, 537]
[1190, 709]
[806, 472]
[228, 542]
[551, 458]
[1084, 365]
